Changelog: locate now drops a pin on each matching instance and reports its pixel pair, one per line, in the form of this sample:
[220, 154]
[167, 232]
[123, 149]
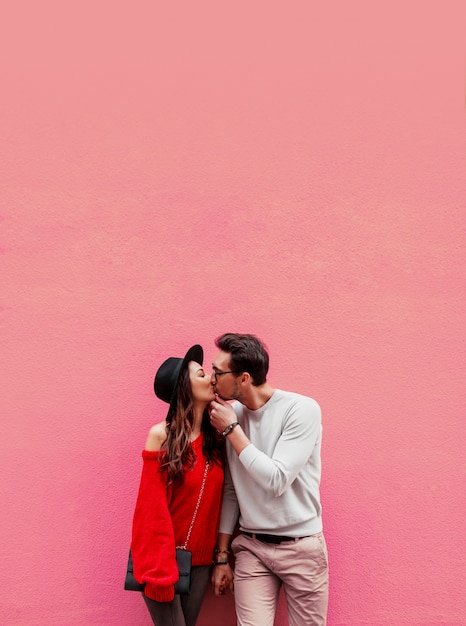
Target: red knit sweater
[162, 518]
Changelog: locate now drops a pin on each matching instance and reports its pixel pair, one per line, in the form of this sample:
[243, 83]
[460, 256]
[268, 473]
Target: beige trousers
[261, 569]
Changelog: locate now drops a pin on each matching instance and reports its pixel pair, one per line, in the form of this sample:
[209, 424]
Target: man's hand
[221, 414]
[222, 579]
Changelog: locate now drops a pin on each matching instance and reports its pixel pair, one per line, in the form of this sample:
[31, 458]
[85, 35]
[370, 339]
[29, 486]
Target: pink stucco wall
[295, 170]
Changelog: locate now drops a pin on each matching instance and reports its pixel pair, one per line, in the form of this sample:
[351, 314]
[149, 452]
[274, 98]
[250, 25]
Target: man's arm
[275, 473]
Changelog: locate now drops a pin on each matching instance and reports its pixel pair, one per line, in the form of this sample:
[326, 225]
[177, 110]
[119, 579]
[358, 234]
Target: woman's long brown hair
[179, 453]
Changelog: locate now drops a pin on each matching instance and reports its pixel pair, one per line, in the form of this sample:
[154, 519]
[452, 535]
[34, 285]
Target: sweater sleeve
[301, 433]
[153, 541]
[230, 508]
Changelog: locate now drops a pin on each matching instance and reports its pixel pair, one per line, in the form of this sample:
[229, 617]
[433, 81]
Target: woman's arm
[153, 538]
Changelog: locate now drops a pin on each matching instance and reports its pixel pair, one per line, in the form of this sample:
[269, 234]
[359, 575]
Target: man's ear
[245, 378]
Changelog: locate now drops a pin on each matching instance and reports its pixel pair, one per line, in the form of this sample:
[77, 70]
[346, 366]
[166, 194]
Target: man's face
[225, 382]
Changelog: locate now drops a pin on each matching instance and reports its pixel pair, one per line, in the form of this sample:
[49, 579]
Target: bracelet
[222, 551]
[229, 428]
[220, 562]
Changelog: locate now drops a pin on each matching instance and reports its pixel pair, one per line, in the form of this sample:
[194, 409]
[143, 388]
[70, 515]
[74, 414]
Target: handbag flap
[183, 560]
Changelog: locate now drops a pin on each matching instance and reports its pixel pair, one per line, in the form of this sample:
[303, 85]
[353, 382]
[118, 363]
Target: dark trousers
[182, 610]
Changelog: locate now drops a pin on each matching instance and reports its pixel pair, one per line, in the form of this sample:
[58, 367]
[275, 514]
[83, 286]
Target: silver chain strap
[185, 547]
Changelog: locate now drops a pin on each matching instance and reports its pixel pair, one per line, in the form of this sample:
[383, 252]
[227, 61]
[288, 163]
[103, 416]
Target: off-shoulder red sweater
[162, 518]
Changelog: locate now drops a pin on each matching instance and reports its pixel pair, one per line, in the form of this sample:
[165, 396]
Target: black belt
[271, 538]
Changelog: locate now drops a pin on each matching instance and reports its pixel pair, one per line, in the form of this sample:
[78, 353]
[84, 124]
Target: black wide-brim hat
[169, 373]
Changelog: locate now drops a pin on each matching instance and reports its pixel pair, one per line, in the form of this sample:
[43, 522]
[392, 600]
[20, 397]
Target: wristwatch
[229, 428]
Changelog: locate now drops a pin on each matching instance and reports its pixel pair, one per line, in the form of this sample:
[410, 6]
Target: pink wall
[167, 175]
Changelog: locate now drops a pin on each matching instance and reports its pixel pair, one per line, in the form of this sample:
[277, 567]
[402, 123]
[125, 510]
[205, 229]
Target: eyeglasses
[216, 374]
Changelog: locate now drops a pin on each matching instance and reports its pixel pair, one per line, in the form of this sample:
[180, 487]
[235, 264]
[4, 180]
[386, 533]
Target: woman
[182, 473]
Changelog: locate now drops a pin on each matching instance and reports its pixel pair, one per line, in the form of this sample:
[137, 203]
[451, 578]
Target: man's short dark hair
[247, 354]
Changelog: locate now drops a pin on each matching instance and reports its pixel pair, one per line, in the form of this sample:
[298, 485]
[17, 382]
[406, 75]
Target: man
[273, 450]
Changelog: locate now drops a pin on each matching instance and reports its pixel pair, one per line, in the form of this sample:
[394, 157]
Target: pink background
[169, 173]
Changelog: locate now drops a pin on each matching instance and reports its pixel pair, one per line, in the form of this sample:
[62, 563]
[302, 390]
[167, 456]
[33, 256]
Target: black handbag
[183, 557]
[182, 586]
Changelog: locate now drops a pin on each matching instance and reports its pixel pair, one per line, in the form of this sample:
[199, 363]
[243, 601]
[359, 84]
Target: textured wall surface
[168, 174]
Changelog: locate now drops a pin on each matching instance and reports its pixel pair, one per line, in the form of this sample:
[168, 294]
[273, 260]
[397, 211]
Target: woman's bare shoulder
[156, 437]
